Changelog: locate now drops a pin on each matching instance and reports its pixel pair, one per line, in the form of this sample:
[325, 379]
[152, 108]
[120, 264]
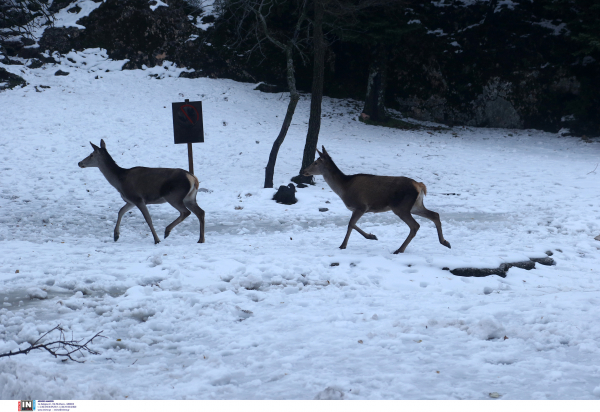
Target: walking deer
[369, 193]
[141, 186]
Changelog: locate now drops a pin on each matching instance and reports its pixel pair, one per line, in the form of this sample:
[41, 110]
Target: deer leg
[123, 210]
[369, 236]
[414, 227]
[403, 209]
[435, 218]
[351, 225]
[191, 204]
[146, 214]
[183, 213]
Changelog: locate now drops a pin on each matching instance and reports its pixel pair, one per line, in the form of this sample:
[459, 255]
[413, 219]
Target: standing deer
[141, 186]
[369, 193]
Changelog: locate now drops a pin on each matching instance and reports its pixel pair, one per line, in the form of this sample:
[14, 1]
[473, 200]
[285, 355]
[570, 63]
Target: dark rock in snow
[35, 64]
[476, 272]
[27, 41]
[131, 30]
[61, 39]
[75, 9]
[547, 261]
[29, 52]
[527, 265]
[286, 194]
[9, 80]
[61, 73]
[323, 209]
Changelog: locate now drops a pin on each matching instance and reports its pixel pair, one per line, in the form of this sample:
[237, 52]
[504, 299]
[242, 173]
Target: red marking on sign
[186, 115]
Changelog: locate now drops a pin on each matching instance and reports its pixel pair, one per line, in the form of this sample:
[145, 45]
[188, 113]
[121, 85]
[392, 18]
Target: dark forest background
[513, 64]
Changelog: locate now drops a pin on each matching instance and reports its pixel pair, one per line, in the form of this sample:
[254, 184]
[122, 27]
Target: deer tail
[194, 184]
[420, 186]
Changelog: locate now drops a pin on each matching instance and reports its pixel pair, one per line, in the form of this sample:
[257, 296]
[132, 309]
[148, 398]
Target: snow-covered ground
[258, 311]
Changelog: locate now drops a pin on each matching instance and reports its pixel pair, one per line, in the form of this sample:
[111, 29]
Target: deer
[363, 193]
[141, 186]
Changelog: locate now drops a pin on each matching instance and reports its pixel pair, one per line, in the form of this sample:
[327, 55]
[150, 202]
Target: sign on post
[187, 126]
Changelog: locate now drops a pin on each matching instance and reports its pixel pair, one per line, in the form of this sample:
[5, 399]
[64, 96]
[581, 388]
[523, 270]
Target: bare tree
[314, 120]
[251, 24]
[23, 17]
[252, 19]
[337, 15]
[291, 81]
[62, 347]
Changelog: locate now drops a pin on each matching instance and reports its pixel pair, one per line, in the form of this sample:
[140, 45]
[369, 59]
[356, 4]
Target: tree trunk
[375, 98]
[314, 121]
[294, 97]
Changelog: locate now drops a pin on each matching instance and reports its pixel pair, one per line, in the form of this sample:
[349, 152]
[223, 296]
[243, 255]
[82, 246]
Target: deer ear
[324, 151]
[320, 154]
[102, 144]
[94, 146]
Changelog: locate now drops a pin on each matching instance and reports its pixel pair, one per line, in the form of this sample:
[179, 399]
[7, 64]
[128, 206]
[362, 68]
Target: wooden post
[190, 158]
[190, 152]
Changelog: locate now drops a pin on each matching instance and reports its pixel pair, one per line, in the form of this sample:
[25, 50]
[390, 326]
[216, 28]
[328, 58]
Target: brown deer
[141, 186]
[369, 193]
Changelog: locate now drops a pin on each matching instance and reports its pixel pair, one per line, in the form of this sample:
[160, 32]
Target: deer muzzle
[306, 172]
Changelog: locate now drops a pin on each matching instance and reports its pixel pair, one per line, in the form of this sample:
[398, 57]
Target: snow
[437, 32]
[557, 29]
[258, 311]
[206, 8]
[157, 4]
[64, 18]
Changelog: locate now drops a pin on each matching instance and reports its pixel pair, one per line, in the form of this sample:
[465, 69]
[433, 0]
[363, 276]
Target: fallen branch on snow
[59, 348]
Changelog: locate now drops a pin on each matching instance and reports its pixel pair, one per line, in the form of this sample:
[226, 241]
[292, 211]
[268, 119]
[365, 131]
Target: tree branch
[59, 348]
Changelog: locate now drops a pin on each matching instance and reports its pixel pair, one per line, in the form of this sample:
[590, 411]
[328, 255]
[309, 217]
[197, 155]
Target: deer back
[377, 193]
[152, 184]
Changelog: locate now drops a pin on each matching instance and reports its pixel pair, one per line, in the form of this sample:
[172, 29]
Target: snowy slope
[258, 312]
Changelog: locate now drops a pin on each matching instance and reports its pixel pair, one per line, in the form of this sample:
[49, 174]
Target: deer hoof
[116, 237]
[447, 244]
[156, 241]
[372, 237]
[342, 247]
[398, 251]
[201, 241]
[167, 234]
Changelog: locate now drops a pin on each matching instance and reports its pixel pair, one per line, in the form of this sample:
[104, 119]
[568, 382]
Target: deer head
[96, 157]
[319, 166]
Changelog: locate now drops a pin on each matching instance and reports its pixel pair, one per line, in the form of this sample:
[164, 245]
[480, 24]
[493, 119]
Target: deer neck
[112, 172]
[336, 179]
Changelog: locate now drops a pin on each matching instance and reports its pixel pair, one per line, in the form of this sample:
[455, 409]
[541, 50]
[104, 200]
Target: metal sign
[187, 122]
